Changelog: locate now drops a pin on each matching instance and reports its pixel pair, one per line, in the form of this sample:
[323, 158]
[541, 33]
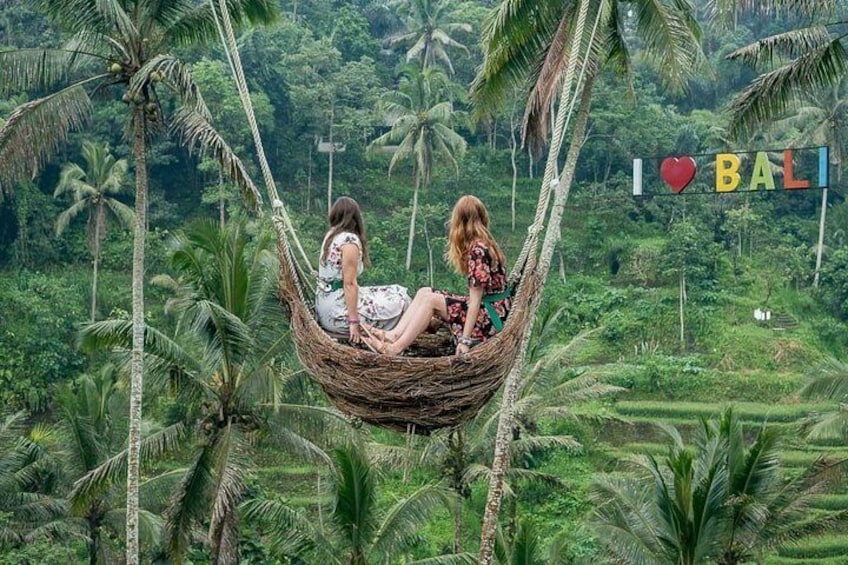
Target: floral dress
[380, 306]
[493, 281]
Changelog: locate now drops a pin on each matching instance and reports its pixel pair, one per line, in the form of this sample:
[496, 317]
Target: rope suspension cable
[282, 220]
[562, 122]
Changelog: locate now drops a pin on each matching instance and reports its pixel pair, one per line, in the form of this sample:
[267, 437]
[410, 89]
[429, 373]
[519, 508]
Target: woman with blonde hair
[472, 317]
[341, 305]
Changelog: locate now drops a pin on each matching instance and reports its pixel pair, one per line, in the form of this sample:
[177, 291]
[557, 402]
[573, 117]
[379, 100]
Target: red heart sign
[678, 173]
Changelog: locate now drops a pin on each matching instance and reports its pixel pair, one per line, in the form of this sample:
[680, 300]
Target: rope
[500, 458]
[563, 120]
[284, 227]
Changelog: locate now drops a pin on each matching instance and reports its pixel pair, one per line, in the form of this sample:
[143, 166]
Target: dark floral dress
[493, 280]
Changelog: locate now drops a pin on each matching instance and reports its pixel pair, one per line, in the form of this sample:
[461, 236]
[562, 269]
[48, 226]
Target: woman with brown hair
[341, 305]
[473, 318]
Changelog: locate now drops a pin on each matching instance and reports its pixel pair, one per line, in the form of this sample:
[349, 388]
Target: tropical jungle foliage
[657, 421]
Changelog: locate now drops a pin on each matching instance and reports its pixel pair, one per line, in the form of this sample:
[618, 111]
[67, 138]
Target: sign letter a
[727, 172]
[762, 173]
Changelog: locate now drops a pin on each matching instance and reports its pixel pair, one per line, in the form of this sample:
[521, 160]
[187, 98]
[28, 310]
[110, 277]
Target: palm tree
[360, 532]
[224, 362]
[719, 500]
[429, 32]
[422, 129]
[91, 190]
[94, 433]
[129, 42]
[542, 45]
[29, 482]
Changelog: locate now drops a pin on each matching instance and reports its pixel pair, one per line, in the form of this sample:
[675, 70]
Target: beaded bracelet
[353, 321]
[465, 341]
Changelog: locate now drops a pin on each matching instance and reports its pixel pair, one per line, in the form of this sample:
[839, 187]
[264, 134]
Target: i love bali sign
[742, 171]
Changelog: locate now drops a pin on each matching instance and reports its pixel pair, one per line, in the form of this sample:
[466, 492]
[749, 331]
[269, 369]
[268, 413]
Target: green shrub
[41, 550]
[39, 315]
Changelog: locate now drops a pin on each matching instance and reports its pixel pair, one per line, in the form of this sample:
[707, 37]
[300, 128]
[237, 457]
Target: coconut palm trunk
[682, 303]
[222, 201]
[94, 543]
[501, 456]
[513, 149]
[137, 356]
[332, 155]
[99, 221]
[418, 174]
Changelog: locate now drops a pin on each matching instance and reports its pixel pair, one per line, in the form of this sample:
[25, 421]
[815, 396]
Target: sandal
[379, 347]
[376, 333]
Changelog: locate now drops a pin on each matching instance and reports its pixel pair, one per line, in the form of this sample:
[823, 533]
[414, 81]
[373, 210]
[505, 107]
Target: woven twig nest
[406, 393]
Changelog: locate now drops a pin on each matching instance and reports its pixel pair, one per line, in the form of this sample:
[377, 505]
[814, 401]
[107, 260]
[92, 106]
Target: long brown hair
[345, 216]
[469, 223]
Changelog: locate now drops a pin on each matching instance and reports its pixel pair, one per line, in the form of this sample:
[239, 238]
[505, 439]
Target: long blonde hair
[469, 223]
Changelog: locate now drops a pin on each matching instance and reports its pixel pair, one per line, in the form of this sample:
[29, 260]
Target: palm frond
[24, 70]
[828, 381]
[38, 128]
[75, 15]
[195, 131]
[70, 179]
[547, 76]
[532, 444]
[671, 38]
[156, 491]
[772, 93]
[197, 25]
[354, 512]
[113, 469]
[124, 214]
[477, 472]
[618, 54]
[402, 522]
[150, 525]
[830, 426]
[67, 215]
[515, 36]
[117, 334]
[627, 525]
[290, 531]
[790, 44]
[191, 500]
[229, 489]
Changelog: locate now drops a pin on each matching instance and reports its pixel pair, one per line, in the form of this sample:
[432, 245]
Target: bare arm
[475, 300]
[350, 264]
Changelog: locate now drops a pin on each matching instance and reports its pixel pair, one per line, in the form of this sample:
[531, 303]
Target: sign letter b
[727, 172]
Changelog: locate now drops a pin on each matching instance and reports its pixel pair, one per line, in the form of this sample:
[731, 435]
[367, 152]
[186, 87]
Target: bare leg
[420, 302]
[417, 320]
